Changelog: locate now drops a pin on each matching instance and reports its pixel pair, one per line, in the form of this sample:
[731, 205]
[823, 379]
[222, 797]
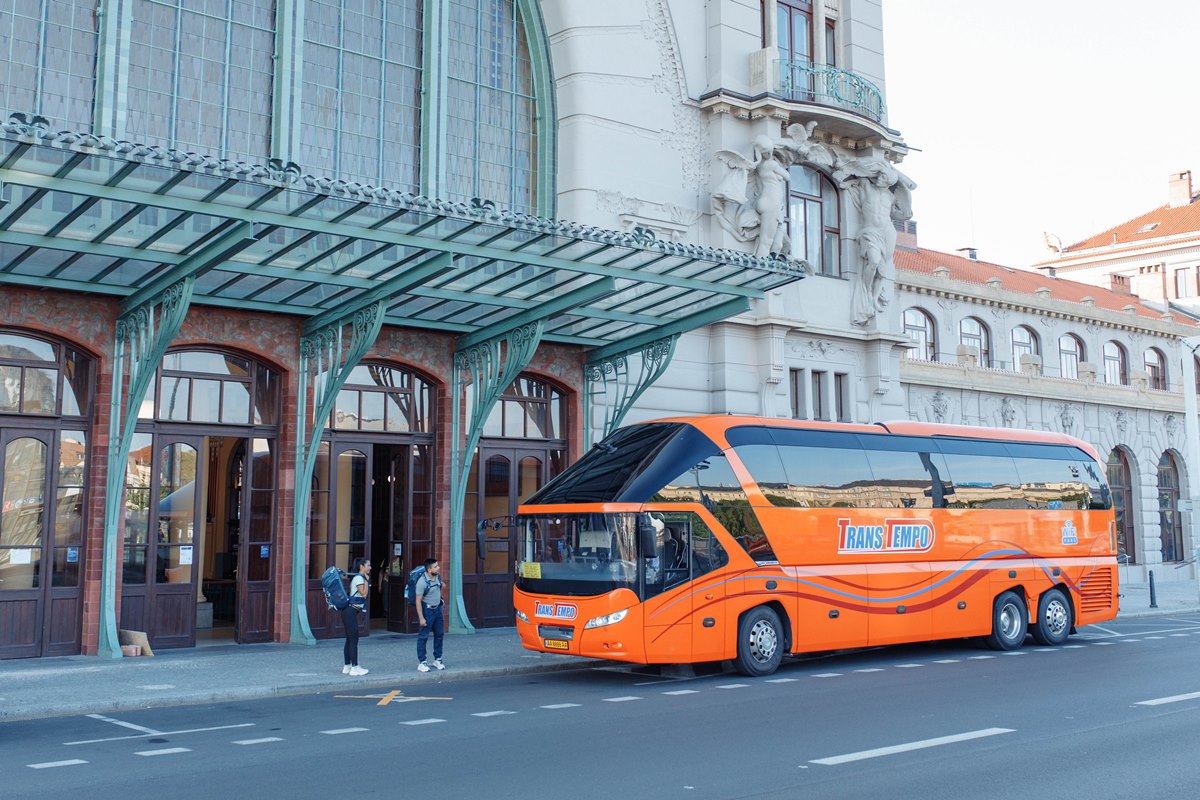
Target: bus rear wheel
[1054, 619]
[760, 642]
[1009, 623]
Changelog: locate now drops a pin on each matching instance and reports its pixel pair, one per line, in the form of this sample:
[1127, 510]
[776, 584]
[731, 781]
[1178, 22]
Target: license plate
[556, 644]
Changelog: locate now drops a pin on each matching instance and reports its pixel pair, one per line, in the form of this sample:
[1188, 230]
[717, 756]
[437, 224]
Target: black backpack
[335, 590]
[410, 587]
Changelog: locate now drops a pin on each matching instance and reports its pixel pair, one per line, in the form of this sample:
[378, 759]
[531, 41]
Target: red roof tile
[1162, 222]
[1017, 280]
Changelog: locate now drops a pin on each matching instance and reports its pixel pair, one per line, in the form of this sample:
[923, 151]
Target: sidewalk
[70, 685]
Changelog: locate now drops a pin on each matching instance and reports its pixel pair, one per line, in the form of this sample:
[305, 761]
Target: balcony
[803, 82]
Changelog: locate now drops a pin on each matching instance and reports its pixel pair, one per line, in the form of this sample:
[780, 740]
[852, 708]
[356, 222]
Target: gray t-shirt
[429, 590]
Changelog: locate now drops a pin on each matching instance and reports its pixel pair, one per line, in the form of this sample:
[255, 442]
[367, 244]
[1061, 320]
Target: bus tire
[1054, 619]
[1009, 623]
[760, 642]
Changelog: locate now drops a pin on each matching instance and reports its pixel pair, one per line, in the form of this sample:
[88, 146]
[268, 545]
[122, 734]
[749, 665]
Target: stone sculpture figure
[750, 202]
[882, 195]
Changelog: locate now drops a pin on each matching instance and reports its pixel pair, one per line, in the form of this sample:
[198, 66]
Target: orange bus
[732, 537]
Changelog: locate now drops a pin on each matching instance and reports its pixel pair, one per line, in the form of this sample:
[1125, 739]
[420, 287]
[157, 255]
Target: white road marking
[1128, 640]
[50, 764]
[1173, 635]
[429, 721]
[1015, 653]
[1148, 638]
[910, 746]
[492, 713]
[340, 731]
[732, 685]
[624, 699]
[1178, 698]
[166, 751]
[1073, 646]
[947, 661]
[158, 687]
[682, 691]
[129, 725]
[870, 669]
[562, 705]
[263, 740]
[827, 675]
[782, 680]
[163, 733]
[907, 666]
[979, 658]
[1101, 643]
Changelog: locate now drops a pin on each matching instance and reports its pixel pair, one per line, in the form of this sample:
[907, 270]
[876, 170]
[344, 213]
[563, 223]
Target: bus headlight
[521, 615]
[607, 619]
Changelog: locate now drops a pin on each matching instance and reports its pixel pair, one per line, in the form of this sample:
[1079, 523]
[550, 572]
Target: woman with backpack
[358, 603]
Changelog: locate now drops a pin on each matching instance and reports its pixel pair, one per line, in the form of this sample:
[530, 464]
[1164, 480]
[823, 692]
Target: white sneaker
[356, 671]
[346, 669]
[437, 663]
[422, 667]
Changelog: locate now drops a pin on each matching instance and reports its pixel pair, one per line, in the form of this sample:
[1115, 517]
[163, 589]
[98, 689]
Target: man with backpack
[427, 596]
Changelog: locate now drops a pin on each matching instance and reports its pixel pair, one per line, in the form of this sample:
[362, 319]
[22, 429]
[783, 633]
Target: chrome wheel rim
[764, 641]
[1010, 621]
[1054, 620]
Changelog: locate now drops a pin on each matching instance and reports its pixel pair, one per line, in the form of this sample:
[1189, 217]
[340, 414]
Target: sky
[1063, 116]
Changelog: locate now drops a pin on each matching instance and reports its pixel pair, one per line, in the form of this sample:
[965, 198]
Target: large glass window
[1116, 364]
[57, 81]
[491, 141]
[1169, 519]
[973, 333]
[41, 378]
[1024, 342]
[919, 327]
[1120, 482]
[1070, 354]
[528, 409]
[377, 397]
[362, 90]
[1156, 368]
[211, 386]
[794, 24]
[814, 220]
[200, 76]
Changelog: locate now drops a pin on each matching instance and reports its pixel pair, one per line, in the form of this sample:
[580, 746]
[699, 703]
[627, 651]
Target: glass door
[25, 476]
[255, 548]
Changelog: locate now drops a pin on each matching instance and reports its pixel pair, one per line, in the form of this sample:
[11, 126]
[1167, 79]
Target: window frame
[1070, 358]
[929, 341]
[980, 339]
[1157, 372]
[1116, 364]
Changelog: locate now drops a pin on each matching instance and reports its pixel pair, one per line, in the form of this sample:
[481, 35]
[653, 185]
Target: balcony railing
[803, 82]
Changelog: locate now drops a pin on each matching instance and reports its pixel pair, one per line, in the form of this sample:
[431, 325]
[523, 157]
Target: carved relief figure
[882, 195]
[939, 404]
[1008, 412]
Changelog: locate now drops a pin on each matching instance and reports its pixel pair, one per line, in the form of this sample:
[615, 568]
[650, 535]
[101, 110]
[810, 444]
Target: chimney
[906, 233]
[1180, 184]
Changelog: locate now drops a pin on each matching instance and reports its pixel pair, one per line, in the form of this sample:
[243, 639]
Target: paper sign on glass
[185, 556]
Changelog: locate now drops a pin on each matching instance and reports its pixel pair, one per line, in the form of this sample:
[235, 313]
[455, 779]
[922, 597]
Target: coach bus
[730, 537]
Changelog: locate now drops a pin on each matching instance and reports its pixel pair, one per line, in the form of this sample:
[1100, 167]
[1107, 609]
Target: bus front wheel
[1054, 619]
[1009, 623]
[760, 642]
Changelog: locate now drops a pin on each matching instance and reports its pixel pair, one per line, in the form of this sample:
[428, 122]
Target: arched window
[919, 327]
[1156, 368]
[378, 397]
[1024, 343]
[1120, 483]
[973, 333]
[1169, 518]
[213, 386]
[1070, 353]
[814, 220]
[794, 31]
[1116, 364]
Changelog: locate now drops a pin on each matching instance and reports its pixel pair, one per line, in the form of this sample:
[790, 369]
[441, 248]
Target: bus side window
[983, 473]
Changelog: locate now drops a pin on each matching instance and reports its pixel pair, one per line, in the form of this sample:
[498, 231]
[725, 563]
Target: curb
[206, 697]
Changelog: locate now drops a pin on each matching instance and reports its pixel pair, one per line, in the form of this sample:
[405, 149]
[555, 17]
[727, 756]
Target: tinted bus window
[982, 474]
[709, 481]
[1099, 497]
[1053, 484]
[827, 477]
[906, 478]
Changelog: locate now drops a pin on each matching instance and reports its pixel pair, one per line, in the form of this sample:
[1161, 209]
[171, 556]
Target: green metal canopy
[163, 230]
[90, 214]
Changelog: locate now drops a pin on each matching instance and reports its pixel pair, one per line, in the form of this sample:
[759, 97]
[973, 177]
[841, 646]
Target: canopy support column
[328, 353]
[613, 385]
[141, 341]
[488, 368]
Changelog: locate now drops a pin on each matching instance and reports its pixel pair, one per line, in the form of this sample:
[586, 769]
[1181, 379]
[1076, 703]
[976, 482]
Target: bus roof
[715, 425]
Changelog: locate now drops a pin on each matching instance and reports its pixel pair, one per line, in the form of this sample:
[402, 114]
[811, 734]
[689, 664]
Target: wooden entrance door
[255, 548]
[508, 476]
[40, 542]
[159, 592]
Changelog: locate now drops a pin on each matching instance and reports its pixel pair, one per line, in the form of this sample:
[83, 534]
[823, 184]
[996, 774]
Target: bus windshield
[579, 554]
[630, 466]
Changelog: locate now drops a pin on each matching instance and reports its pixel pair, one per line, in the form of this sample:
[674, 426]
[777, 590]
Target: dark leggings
[350, 621]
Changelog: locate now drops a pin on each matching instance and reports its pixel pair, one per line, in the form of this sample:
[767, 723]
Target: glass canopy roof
[94, 215]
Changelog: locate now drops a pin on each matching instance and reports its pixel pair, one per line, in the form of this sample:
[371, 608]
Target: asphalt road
[1114, 714]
